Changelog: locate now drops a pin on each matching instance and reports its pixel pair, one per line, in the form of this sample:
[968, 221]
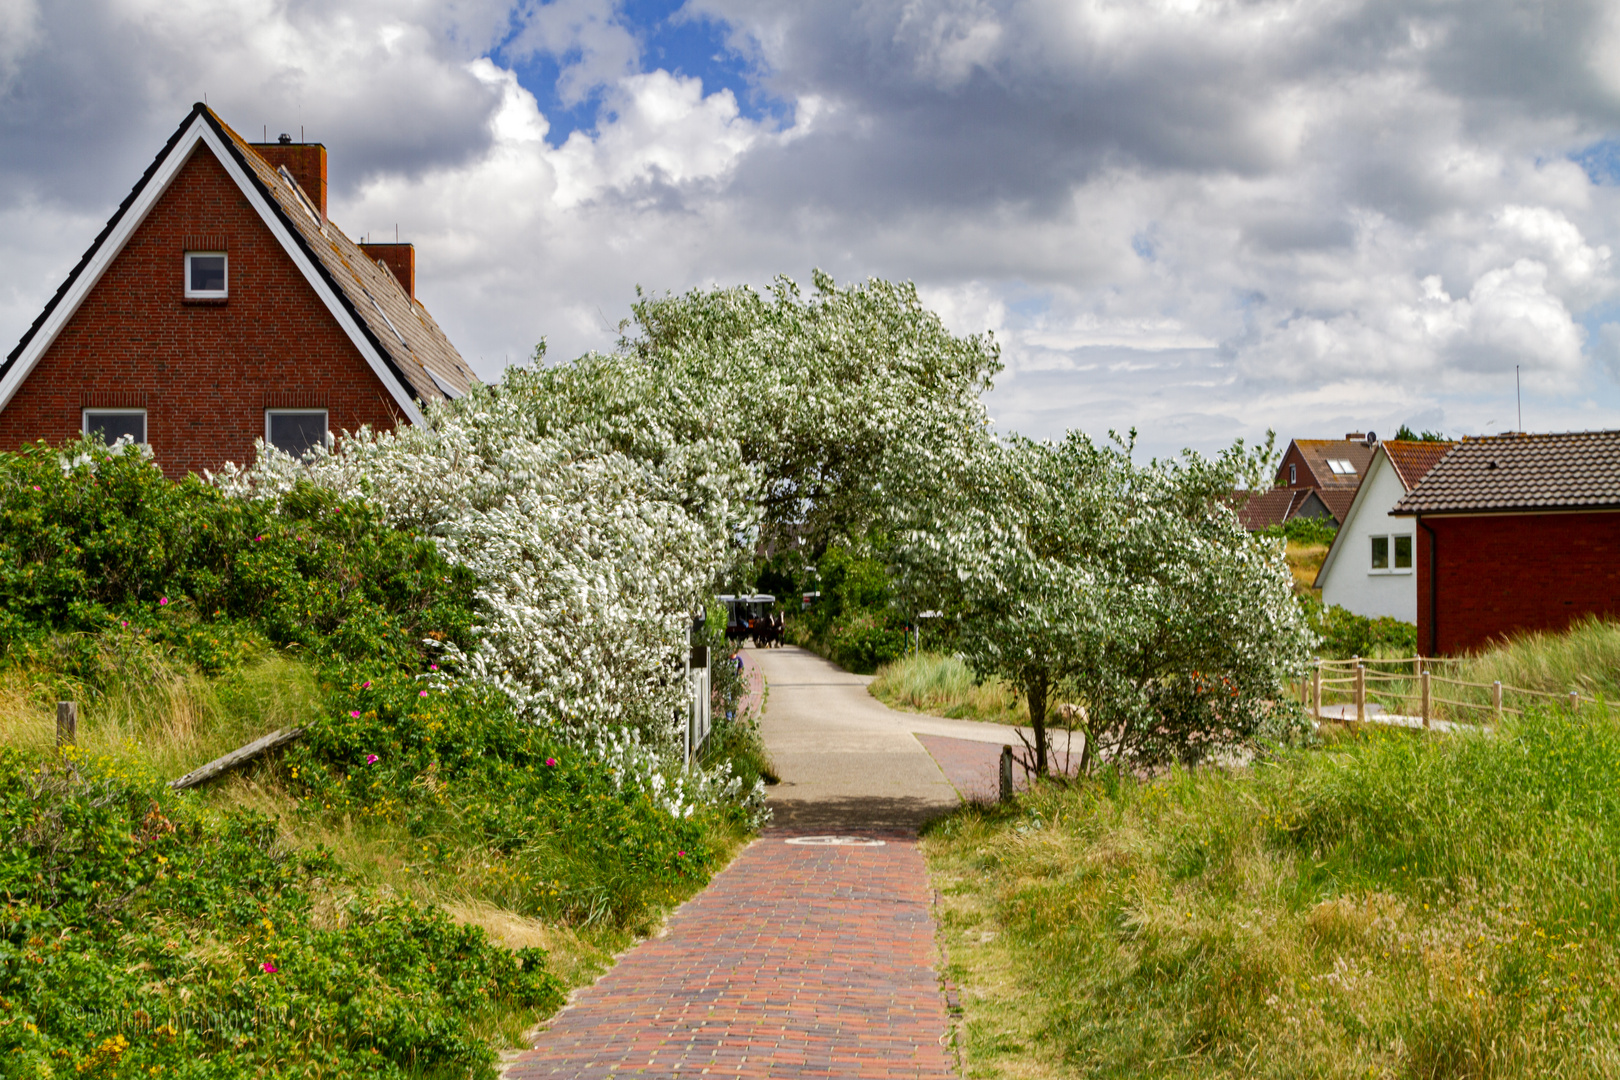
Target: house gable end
[200, 129]
[206, 373]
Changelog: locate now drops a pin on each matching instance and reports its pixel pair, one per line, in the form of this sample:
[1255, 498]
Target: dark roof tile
[1516, 471]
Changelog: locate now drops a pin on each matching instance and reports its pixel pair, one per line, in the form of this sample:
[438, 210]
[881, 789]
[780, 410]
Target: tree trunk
[1035, 692]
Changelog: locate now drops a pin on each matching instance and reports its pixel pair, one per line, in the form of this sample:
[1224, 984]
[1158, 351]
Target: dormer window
[1341, 467]
[206, 275]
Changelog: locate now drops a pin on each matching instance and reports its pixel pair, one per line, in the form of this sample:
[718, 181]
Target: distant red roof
[1413, 459]
[1263, 509]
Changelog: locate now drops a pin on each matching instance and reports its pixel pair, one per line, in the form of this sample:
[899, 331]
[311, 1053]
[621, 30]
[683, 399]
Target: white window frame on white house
[1392, 554]
[269, 413]
[208, 294]
[86, 427]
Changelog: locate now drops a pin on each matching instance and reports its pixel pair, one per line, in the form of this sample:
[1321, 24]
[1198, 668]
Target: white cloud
[1202, 219]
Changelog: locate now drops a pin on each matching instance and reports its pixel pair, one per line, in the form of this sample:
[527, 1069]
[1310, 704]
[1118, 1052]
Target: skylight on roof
[1341, 467]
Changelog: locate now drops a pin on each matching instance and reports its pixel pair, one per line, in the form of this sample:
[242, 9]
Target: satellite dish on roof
[1372, 438]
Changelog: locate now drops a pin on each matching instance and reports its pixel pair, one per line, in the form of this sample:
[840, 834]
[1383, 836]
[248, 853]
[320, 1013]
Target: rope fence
[1412, 692]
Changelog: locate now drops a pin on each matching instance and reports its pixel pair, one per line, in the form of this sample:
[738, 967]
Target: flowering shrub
[141, 936]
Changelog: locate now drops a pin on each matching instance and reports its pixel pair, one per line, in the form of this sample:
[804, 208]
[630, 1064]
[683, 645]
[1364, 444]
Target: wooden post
[1574, 701]
[1316, 692]
[1496, 699]
[1006, 774]
[1361, 693]
[67, 723]
[1423, 686]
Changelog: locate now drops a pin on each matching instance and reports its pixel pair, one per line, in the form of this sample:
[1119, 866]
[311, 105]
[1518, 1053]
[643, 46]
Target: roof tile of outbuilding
[1516, 471]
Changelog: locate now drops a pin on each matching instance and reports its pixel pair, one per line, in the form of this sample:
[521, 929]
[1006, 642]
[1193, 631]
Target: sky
[1198, 219]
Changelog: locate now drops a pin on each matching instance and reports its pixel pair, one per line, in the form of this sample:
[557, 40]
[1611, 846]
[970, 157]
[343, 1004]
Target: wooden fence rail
[1419, 685]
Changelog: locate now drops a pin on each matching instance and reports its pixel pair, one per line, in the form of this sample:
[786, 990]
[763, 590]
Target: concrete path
[847, 760]
[813, 954]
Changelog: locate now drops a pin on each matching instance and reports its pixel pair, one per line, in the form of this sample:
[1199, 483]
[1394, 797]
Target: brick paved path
[797, 961]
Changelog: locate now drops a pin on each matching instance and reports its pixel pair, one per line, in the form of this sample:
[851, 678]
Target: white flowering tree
[599, 501]
[1131, 586]
[818, 393]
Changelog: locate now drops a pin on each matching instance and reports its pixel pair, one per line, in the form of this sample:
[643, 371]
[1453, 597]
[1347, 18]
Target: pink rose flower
[163, 601]
[422, 694]
[268, 968]
[551, 762]
[371, 759]
[354, 712]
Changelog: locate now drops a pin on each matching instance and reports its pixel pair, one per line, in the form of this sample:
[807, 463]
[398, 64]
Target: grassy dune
[943, 685]
[1389, 905]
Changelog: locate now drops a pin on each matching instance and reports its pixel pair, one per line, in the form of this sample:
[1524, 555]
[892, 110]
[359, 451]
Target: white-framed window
[294, 431]
[114, 424]
[1391, 554]
[207, 275]
[1291, 474]
[1341, 467]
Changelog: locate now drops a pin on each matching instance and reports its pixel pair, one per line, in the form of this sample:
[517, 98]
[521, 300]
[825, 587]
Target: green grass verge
[945, 686]
[1388, 905]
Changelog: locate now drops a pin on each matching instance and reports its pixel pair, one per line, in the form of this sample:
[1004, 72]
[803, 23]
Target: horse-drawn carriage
[752, 618]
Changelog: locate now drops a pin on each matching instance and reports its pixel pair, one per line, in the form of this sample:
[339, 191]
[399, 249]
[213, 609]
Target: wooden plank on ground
[236, 757]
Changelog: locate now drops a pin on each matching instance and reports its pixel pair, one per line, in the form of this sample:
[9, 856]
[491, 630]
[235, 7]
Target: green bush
[92, 540]
[142, 935]
[863, 641]
[1345, 634]
[1304, 530]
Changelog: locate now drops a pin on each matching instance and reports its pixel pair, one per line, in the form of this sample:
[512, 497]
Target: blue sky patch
[1601, 161]
[680, 44]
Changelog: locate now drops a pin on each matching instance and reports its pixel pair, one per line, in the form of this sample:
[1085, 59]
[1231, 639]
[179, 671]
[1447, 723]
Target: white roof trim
[449, 391]
[1379, 454]
[200, 131]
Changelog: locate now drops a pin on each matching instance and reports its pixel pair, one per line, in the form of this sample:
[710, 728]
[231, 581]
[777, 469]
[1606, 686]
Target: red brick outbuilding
[1516, 532]
[219, 306]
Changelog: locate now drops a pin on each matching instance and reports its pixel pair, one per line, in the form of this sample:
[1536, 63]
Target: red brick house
[1516, 532]
[220, 305]
[1332, 468]
[1317, 478]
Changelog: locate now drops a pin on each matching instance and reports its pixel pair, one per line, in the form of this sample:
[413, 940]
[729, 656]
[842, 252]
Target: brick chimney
[400, 260]
[306, 162]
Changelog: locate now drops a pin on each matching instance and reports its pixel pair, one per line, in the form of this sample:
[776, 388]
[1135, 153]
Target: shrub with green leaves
[142, 935]
[93, 540]
[1344, 634]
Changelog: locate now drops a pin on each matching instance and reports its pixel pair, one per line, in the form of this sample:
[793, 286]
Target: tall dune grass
[945, 686]
[1393, 904]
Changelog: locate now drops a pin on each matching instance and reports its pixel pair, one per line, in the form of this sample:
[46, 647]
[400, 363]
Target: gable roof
[1577, 470]
[401, 343]
[1318, 452]
[1263, 509]
[1413, 459]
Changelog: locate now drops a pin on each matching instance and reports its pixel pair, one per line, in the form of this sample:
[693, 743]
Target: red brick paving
[974, 768]
[796, 961]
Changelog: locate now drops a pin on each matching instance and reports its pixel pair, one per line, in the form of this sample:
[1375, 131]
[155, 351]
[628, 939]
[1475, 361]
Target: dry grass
[1390, 906]
[170, 719]
[944, 686]
[1305, 562]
